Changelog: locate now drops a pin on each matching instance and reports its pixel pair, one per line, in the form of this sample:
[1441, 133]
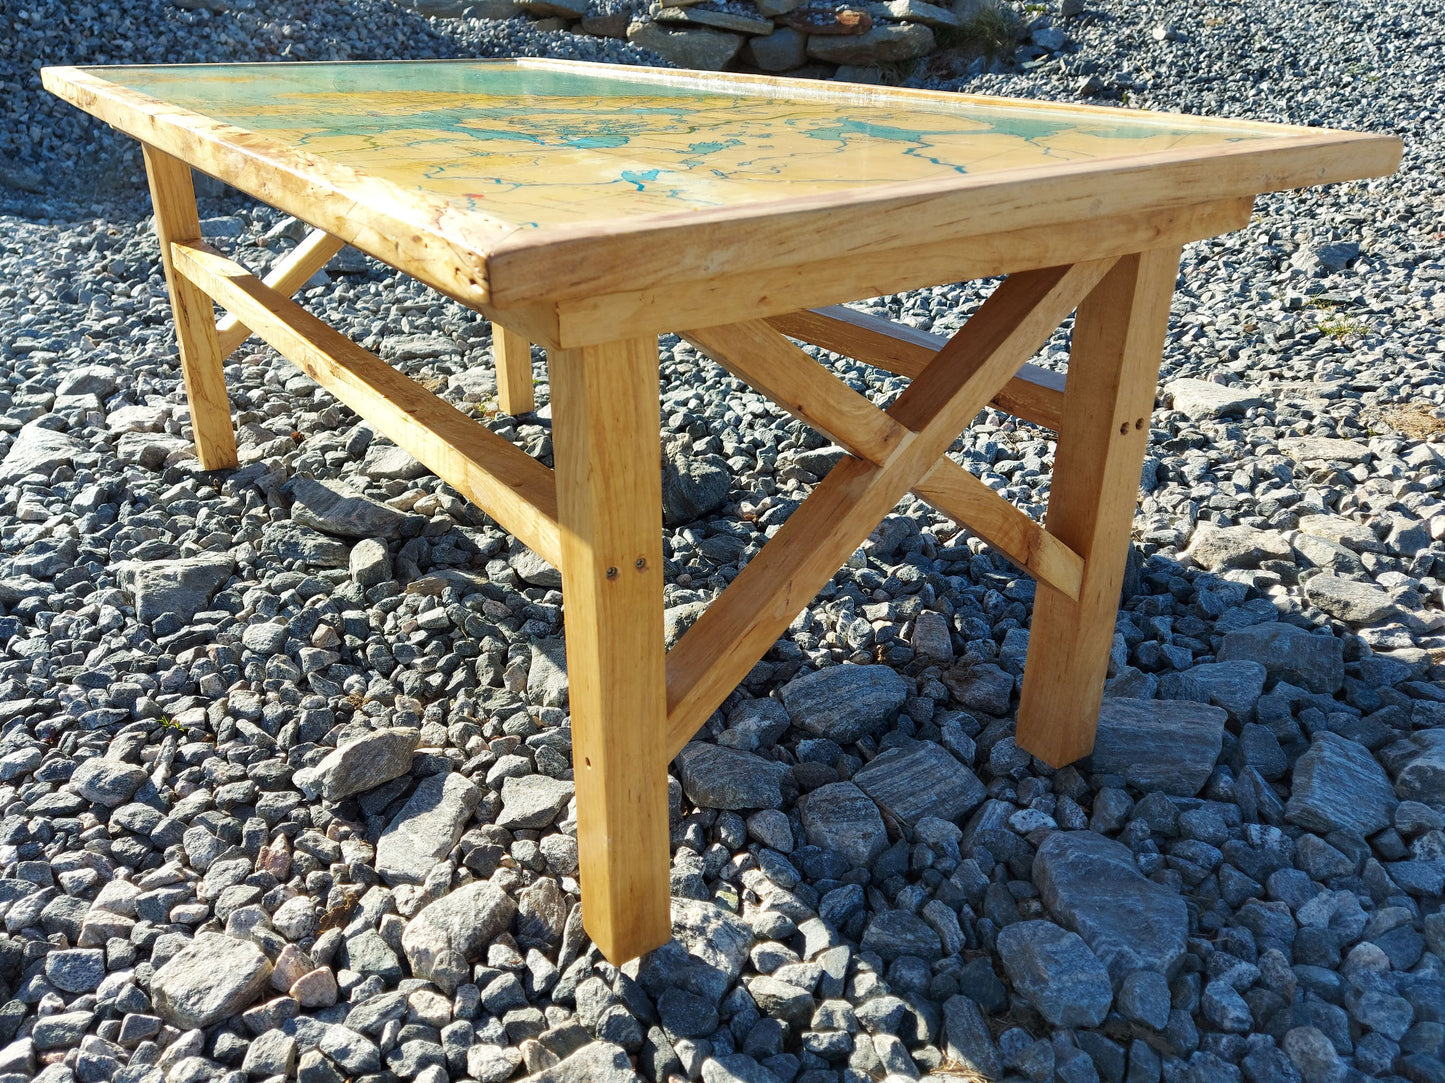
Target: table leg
[174, 201]
[513, 354]
[606, 435]
[1113, 372]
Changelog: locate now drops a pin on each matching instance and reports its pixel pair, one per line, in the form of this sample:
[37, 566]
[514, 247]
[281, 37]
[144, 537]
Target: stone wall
[784, 35]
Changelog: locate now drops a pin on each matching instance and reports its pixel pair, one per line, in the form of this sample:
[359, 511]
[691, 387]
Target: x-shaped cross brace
[1078, 561]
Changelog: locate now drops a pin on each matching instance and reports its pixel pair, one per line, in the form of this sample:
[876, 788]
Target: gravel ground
[285, 771]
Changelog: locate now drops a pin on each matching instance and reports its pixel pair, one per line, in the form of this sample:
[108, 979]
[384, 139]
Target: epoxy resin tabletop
[542, 146]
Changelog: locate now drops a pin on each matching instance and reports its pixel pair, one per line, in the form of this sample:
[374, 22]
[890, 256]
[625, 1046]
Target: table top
[507, 156]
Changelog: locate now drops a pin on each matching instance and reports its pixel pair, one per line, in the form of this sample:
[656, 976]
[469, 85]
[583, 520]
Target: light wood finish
[966, 500]
[764, 359]
[291, 272]
[621, 307]
[761, 357]
[496, 475]
[747, 618]
[174, 201]
[513, 355]
[609, 484]
[1113, 369]
[1035, 394]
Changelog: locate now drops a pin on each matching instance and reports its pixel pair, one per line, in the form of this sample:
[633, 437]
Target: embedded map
[536, 146]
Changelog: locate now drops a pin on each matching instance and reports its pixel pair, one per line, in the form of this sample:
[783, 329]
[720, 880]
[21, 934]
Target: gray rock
[533, 801]
[1225, 1009]
[1092, 885]
[692, 485]
[335, 509]
[107, 782]
[782, 1000]
[292, 541]
[844, 702]
[370, 562]
[1217, 547]
[360, 765]
[1314, 1056]
[677, 619]
[153, 450]
[782, 50]
[897, 932]
[983, 687]
[98, 380]
[1054, 970]
[181, 586]
[77, 970]
[686, 1015]
[703, 50]
[841, 817]
[1156, 744]
[212, 978]
[354, 1053]
[267, 638]
[542, 913]
[914, 11]
[456, 927]
[37, 451]
[1350, 600]
[533, 569]
[270, 1053]
[919, 782]
[488, 1063]
[597, 1062]
[1201, 399]
[1313, 662]
[1419, 766]
[718, 20]
[706, 954]
[1324, 449]
[969, 1040]
[387, 461]
[1234, 686]
[1347, 533]
[725, 778]
[1337, 785]
[932, 638]
[547, 673]
[426, 828]
[885, 43]
[1329, 556]
[1144, 998]
[60, 1031]
[736, 1068]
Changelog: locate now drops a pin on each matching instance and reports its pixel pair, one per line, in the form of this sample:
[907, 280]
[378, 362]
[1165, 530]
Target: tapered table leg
[513, 355]
[174, 200]
[1109, 396]
[609, 495]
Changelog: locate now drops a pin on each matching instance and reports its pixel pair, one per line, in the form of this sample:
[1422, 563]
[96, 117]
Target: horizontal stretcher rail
[497, 476]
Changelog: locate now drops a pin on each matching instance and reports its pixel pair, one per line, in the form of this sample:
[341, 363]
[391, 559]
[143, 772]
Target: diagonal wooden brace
[290, 273]
[754, 352]
[746, 619]
[1034, 394]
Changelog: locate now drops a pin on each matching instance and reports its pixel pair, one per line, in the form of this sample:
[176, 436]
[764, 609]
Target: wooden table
[588, 208]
